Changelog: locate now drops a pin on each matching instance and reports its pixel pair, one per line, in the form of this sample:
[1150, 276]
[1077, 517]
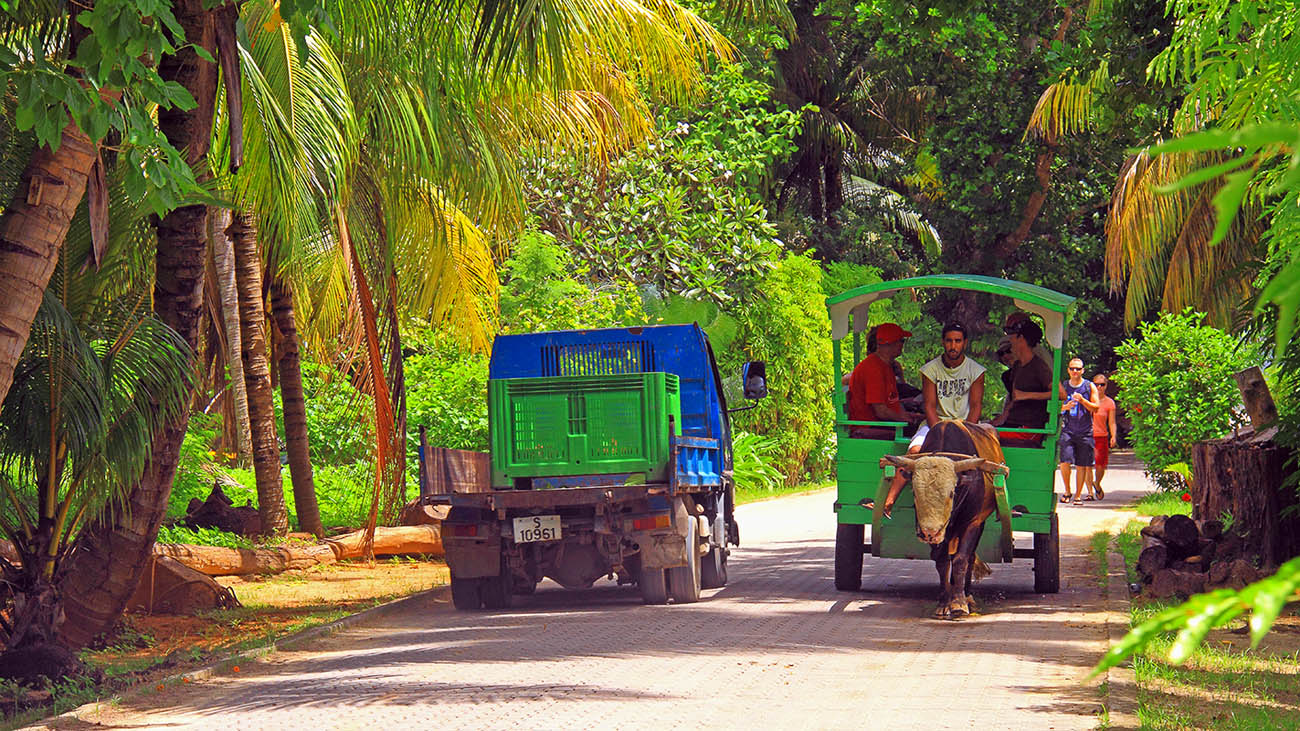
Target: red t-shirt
[872, 382]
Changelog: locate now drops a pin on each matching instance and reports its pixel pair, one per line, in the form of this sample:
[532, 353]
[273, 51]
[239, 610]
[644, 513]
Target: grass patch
[749, 495]
[1160, 503]
[1099, 546]
[1220, 686]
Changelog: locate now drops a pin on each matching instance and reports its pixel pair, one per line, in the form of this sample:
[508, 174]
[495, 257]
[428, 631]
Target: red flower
[1187, 497]
[1137, 409]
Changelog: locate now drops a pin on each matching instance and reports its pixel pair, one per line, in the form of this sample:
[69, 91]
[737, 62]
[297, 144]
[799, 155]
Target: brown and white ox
[952, 482]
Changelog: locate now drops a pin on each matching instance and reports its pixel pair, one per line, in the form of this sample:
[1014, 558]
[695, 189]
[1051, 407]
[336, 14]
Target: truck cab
[610, 457]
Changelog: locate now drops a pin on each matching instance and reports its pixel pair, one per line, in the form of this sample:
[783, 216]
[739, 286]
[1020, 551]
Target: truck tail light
[463, 530]
[652, 522]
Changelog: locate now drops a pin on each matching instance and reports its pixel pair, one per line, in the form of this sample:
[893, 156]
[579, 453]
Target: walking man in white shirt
[952, 385]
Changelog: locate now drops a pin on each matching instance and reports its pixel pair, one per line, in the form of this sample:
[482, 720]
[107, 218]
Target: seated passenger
[1013, 320]
[1031, 383]
[952, 385]
[873, 388]
[908, 395]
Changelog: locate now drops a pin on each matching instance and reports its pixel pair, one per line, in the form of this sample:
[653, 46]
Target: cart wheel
[684, 581]
[465, 594]
[848, 556]
[654, 586]
[713, 568]
[1047, 559]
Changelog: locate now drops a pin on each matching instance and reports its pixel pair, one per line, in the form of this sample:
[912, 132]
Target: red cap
[890, 333]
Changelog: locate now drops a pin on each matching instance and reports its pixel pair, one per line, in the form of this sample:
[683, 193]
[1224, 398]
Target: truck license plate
[537, 528]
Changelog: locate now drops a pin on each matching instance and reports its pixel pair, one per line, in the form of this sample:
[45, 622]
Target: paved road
[778, 647]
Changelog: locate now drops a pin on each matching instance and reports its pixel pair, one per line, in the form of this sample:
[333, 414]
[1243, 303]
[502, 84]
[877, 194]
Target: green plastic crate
[582, 425]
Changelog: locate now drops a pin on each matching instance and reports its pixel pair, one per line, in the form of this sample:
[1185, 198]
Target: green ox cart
[1026, 500]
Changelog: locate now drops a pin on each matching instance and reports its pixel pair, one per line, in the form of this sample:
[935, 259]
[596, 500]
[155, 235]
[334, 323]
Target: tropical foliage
[1176, 385]
[96, 380]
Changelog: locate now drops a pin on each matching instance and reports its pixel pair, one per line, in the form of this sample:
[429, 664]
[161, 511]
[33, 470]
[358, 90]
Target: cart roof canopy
[1052, 306]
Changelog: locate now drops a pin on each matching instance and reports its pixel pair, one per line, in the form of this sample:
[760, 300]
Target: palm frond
[1068, 106]
[1159, 239]
[899, 212]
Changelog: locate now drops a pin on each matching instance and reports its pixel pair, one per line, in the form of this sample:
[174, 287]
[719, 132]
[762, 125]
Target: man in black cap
[1031, 382]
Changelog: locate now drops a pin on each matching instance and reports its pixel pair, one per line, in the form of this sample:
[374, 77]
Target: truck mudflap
[665, 547]
[472, 543]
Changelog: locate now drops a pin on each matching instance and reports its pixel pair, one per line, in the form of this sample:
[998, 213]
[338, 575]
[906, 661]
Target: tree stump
[1243, 477]
[171, 587]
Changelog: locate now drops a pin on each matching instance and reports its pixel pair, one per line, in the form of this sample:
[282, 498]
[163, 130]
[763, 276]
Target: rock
[219, 512]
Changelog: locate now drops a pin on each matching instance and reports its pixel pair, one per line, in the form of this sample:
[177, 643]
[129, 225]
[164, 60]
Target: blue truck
[610, 457]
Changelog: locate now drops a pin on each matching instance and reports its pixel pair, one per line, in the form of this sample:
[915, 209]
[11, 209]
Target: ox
[952, 482]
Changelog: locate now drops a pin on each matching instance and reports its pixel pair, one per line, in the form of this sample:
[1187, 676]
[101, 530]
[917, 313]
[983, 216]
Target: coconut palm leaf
[899, 212]
[1159, 238]
[1069, 106]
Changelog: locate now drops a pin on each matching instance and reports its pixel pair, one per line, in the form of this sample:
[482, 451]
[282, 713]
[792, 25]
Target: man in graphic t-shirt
[952, 385]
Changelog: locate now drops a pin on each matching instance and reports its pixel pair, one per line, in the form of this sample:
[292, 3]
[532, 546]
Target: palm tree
[36, 219]
[100, 578]
[257, 376]
[98, 377]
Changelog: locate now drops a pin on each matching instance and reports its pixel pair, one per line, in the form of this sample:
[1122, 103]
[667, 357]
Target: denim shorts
[1076, 449]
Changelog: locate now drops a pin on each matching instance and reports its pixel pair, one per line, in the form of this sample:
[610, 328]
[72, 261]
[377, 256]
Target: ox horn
[981, 464]
[898, 461]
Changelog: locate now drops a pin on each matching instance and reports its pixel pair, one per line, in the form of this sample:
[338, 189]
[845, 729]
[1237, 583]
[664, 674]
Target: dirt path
[778, 647]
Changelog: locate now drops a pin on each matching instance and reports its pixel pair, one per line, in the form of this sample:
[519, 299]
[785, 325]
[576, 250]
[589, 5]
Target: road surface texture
[776, 648]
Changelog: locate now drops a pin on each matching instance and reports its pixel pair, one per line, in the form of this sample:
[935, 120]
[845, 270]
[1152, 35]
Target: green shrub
[340, 419]
[202, 537]
[446, 393]
[751, 457]
[343, 492]
[685, 214]
[1176, 384]
[785, 324]
[545, 287]
[197, 464]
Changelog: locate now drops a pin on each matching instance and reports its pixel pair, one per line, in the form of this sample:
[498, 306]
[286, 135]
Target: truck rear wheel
[497, 591]
[713, 568]
[465, 594]
[654, 586]
[684, 581]
[848, 556]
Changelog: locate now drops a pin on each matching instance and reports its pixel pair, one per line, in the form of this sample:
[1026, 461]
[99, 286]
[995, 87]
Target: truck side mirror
[754, 375]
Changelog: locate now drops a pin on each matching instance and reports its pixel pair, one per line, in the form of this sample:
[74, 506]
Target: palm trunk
[295, 409]
[111, 557]
[32, 230]
[223, 257]
[257, 375]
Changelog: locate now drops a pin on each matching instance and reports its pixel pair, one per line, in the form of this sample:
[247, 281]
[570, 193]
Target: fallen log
[1181, 534]
[1171, 582]
[1153, 558]
[218, 561]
